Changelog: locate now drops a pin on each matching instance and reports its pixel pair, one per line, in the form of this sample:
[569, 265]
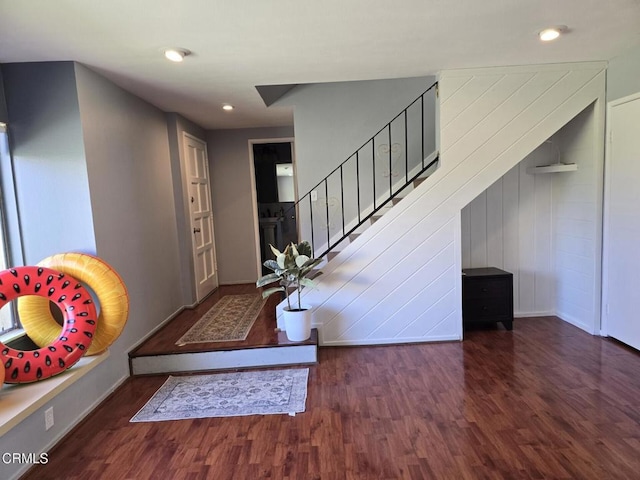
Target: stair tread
[316, 272]
[419, 181]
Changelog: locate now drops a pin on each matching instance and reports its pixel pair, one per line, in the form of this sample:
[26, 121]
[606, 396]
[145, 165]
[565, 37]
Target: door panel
[622, 235]
[201, 216]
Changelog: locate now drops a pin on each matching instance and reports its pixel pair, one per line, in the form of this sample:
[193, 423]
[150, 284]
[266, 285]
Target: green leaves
[290, 268]
[312, 262]
[267, 279]
[304, 248]
[271, 265]
[270, 291]
[307, 282]
[275, 251]
[301, 260]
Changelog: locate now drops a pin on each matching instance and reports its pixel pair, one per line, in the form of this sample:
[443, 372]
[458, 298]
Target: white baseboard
[388, 341]
[562, 316]
[547, 313]
[160, 325]
[577, 323]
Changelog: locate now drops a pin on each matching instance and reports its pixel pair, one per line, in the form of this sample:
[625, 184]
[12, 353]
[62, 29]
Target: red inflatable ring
[24, 366]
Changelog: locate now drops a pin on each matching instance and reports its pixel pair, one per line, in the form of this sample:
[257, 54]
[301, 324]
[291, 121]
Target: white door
[204, 255]
[621, 272]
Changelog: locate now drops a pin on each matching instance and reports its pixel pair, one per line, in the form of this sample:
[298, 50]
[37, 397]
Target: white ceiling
[239, 44]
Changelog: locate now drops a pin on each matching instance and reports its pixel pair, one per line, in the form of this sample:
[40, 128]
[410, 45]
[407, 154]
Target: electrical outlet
[48, 418]
[314, 195]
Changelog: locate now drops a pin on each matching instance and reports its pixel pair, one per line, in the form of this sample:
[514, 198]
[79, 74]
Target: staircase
[371, 180]
[399, 280]
[355, 232]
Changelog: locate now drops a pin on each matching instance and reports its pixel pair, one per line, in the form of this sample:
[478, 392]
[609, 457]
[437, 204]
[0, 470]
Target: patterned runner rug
[228, 395]
[229, 320]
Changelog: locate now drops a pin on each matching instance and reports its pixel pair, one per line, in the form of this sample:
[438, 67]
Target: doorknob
[196, 230]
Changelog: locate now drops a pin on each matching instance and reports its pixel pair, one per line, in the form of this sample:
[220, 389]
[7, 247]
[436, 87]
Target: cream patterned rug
[228, 395]
[229, 320]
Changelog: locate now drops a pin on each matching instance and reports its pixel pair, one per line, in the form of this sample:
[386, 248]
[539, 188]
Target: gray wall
[52, 186]
[233, 197]
[132, 197]
[623, 74]
[4, 117]
[177, 126]
[332, 120]
[128, 170]
[53, 198]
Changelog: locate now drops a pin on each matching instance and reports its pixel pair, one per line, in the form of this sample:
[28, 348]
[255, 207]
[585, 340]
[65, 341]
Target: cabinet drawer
[486, 287]
[482, 309]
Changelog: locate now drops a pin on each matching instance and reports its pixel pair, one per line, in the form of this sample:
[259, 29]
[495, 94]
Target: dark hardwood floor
[544, 401]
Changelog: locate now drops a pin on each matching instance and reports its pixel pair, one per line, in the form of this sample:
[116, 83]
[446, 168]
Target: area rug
[229, 320]
[228, 395]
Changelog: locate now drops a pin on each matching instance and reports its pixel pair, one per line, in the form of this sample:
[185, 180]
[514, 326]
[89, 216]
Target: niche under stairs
[545, 227]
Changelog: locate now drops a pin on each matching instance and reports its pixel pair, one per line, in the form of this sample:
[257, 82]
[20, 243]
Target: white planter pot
[297, 324]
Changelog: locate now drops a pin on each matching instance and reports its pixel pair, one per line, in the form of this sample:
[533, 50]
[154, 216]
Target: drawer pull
[484, 289]
[485, 308]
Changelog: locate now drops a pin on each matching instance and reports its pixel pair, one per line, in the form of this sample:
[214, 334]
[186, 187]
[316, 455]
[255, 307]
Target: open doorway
[274, 172]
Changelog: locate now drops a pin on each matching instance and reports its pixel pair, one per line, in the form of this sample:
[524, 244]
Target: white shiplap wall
[544, 228]
[490, 120]
[577, 220]
[509, 226]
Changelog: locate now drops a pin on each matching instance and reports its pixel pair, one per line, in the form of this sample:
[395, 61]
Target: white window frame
[10, 227]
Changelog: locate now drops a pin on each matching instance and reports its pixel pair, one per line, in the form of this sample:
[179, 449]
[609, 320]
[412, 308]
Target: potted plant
[291, 269]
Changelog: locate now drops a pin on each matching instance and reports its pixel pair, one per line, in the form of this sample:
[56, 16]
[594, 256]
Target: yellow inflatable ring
[111, 291]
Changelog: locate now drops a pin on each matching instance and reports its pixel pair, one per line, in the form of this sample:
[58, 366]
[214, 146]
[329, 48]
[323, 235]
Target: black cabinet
[487, 296]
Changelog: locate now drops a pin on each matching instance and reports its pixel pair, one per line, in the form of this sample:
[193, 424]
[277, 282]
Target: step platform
[280, 352]
[263, 347]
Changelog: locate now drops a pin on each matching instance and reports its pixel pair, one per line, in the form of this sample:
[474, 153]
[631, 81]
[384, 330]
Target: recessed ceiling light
[551, 33]
[176, 54]
[227, 107]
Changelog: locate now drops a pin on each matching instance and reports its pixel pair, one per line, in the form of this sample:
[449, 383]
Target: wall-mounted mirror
[284, 175]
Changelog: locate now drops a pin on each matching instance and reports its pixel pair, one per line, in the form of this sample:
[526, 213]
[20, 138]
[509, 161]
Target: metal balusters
[422, 124]
[406, 146]
[342, 198]
[326, 197]
[313, 245]
[390, 165]
[358, 183]
[378, 203]
[373, 156]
